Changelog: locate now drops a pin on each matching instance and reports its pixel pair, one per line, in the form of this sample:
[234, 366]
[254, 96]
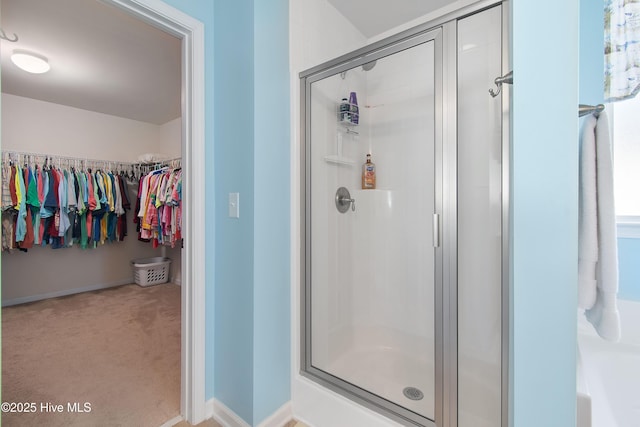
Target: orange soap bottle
[368, 174]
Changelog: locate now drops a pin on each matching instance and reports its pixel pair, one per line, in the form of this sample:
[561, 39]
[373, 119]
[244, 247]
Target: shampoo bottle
[368, 174]
[345, 110]
[355, 111]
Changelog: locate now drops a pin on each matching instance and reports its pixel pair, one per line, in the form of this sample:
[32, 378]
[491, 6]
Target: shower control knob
[344, 200]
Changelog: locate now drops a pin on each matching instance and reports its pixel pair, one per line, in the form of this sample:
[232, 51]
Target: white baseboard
[227, 418]
[32, 298]
[173, 421]
[279, 418]
[222, 414]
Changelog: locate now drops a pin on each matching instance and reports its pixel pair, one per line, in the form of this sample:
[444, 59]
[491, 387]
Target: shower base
[387, 372]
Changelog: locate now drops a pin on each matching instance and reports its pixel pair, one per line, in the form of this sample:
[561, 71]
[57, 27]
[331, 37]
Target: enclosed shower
[404, 296]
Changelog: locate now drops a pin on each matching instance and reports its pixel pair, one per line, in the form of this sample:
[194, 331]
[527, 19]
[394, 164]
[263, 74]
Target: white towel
[588, 217]
[597, 250]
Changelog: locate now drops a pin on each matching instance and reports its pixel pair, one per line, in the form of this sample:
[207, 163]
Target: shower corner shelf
[348, 127]
[347, 122]
[344, 117]
[339, 160]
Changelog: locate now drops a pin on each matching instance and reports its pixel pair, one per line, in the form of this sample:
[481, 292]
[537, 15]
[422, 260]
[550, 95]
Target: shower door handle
[436, 230]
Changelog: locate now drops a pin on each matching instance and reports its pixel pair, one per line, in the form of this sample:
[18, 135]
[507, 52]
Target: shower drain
[413, 393]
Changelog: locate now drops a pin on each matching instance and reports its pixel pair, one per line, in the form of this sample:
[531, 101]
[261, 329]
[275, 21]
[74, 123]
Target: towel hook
[499, 81]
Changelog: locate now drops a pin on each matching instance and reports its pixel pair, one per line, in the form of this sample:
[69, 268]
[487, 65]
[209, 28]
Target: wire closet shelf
[83, 163]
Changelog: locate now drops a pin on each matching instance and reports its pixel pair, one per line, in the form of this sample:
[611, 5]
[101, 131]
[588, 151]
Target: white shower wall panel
[392, 226]
[332, 311]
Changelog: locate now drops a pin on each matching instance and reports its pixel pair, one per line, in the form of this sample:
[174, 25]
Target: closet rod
[584, 109]
[55, 158]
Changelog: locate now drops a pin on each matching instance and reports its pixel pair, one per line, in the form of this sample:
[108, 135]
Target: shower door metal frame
[507, 315]
[358, 58]
[443, 31]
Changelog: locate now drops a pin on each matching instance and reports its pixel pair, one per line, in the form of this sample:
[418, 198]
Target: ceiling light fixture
[30, 62]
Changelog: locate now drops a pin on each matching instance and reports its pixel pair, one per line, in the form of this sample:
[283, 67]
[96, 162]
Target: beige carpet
[117, 350]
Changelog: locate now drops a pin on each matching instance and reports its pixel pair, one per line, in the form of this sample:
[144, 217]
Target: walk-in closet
[91, 216]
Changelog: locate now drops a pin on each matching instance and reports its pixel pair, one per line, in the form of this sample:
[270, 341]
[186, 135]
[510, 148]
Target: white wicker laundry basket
[151, 271]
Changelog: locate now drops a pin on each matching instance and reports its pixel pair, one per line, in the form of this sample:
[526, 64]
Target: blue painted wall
[629, 269]
[271, 342]
[234, 132]
[544, 211]
[247, 151]
[591, 52]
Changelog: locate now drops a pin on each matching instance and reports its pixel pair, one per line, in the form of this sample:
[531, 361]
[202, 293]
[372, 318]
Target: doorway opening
[191, 32]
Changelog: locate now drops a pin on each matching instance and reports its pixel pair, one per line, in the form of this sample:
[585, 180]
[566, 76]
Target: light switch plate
[234, 205]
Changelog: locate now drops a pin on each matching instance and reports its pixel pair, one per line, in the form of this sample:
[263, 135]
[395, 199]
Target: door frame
[191, 32]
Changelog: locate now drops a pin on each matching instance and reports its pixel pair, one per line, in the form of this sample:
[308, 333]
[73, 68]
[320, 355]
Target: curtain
[622, 49]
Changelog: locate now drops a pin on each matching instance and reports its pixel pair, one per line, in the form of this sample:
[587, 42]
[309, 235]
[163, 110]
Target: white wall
[169, 138]
[42, 127]
[318, 33]
[47, 128]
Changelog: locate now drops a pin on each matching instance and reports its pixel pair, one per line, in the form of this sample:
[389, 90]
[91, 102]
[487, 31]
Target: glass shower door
[370, 254]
